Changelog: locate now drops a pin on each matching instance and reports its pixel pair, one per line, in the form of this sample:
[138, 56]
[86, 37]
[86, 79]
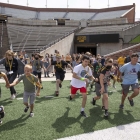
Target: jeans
[11, 78]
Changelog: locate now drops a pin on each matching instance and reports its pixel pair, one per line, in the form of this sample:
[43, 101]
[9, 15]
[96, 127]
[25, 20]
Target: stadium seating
[32, 38]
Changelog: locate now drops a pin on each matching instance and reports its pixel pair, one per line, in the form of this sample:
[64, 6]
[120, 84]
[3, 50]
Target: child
[1, 107]
[30, 82]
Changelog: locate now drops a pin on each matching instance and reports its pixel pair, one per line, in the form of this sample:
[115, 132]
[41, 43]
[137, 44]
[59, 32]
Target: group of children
[82, 74]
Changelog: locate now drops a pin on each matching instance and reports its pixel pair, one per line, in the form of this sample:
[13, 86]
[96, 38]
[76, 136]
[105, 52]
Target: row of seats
[33, 37]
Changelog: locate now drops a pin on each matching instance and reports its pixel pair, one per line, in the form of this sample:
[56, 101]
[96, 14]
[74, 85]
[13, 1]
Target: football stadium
[77, 46]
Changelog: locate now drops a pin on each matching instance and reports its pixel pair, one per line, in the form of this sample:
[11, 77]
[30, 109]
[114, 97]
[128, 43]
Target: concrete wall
[106, 48]
[64, 46]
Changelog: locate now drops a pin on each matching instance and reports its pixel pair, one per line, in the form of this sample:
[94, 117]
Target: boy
[30, 82]
[81, 73]
[1, 107]
[101, 87]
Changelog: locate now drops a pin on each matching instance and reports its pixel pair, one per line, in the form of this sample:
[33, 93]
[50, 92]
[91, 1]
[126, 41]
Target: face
[9, 57]
[134, 60]
[27, 71]
[58, 59]
[85, 62]
[109, 64]
[99, 60]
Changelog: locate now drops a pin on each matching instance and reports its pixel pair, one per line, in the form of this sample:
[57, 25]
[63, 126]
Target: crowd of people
[87, 69]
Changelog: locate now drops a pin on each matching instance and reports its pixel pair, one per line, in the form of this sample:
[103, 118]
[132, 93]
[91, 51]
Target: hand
[37, 94]
[86, 80]
[102, 90]
[96, 80]
[109, 83]
[7, 85]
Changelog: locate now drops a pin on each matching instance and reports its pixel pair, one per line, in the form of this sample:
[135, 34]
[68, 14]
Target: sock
[0, 109]
[106, 110]
[82, 109]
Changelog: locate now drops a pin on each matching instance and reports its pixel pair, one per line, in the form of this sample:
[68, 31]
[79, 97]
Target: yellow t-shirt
[121, 60]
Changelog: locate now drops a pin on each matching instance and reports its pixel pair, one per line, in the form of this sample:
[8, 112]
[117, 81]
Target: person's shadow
[13, 123]
[64, 122]
[96, 115]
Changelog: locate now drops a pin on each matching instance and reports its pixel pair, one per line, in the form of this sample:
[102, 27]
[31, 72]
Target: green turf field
[58, 117]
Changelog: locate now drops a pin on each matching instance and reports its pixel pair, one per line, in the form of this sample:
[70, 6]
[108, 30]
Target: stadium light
[89, 4]
[27, 3]
[108, 4]
[67, 4]
[46, 4]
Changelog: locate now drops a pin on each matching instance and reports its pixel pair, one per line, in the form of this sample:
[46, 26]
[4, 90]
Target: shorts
[37, 74]
[74, 90]
[126, 87]
[60, 76]
[68, 62]
[30, 96]
[98, 88]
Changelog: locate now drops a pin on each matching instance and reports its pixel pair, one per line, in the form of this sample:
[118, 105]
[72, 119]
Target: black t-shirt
[59, 67]
[106, 73]
[127, 59]
[96, 67]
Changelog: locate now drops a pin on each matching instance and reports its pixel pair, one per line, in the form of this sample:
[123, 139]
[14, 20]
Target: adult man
[59, 66]
[130, 78]
[81, 74]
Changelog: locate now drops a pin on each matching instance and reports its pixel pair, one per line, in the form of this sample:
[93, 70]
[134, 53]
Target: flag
[11, 47]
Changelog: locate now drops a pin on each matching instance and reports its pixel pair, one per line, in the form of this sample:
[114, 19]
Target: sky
[94, 4]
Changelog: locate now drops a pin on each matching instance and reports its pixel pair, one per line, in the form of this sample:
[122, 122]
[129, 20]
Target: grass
[136, 39]
[58, 117]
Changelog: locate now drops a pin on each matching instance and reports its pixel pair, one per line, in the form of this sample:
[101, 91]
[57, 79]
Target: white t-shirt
[81, 72]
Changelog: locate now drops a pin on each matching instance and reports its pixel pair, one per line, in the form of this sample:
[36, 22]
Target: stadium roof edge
[66, 9]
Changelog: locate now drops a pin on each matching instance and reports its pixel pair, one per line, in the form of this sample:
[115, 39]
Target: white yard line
[122, 132]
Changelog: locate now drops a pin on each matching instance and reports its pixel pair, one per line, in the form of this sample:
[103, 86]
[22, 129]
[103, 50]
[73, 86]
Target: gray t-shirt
[37, 65]
[28, 86]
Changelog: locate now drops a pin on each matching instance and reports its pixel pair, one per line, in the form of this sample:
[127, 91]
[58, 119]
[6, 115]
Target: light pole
[7, 1]
[108, 4]
[27, 3]
[46, 4]
[89, 4]
[67, 4]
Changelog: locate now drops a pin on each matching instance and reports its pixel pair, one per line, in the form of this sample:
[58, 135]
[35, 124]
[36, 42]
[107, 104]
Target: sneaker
[0, 122]
[91, 86]
[83, 114]
[121, 106]
[42, 87]
[60, 85]
[106, 114]
[57, 93]
[13, 97]
[31, 114]
[94, 102]
[131, 102]
[103, 107]
[70, 98]
[114, 86]
[26, 109]
[2, 107]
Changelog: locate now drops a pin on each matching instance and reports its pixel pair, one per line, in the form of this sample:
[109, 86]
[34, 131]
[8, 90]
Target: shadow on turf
[64, 122]
[13, 123]
[122, 117]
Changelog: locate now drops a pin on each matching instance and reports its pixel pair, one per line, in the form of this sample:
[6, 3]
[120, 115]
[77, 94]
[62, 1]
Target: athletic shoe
[60, 85]
[121, 106]
[57, 93]
[26, 109]
[0, 122]
[83, 114]
[106, 114]
[42, 87]
[13, 97]
[91, 86]
[103, 107]
[31, 114]
[131, 102]
[114, 86]
[70, 98]
[94, 102]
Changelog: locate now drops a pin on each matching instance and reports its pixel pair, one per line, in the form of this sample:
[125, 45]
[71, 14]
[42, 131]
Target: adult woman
[11, 67]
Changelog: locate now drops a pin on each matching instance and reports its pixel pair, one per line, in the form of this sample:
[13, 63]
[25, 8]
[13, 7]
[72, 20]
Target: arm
[38, 89]
[70, 67]
[14, 83]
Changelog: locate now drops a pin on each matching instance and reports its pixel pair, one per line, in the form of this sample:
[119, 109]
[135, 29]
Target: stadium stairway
[4, 43]
[125, 52]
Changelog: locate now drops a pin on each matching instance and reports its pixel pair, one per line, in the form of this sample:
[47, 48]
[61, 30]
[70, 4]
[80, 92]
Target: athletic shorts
[37, 74]
[125, 88]
[98, 88]
[60, 76]
[74, 90]
[30, 96]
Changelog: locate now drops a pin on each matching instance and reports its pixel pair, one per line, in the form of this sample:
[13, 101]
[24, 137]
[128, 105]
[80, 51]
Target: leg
[25, 101]
[57, 84]
[32, 99]
[105, 100]
[84, 100]
[73, 92]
